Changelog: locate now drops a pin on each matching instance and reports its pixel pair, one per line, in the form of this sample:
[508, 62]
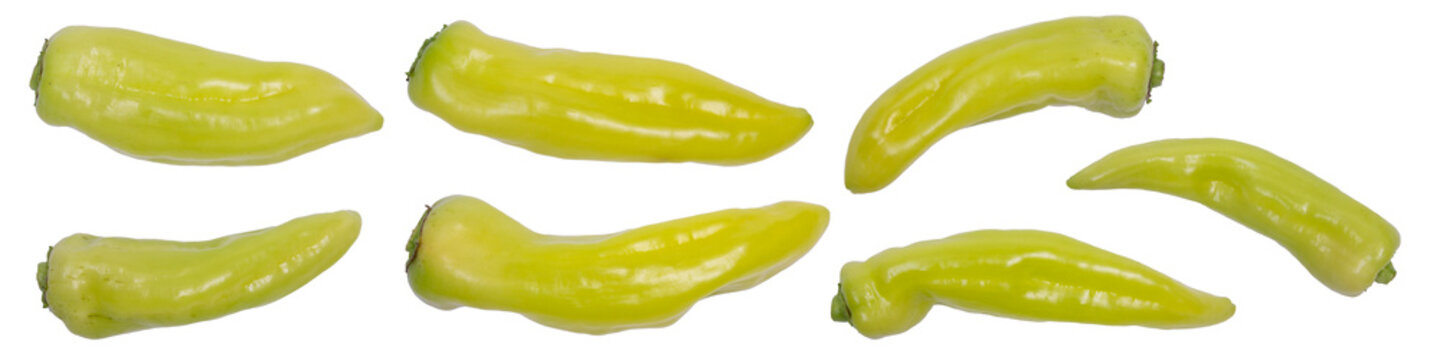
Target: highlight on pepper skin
[1103, 64]
[465, 252]
[1341, 242]
[1022, 274]
[171, 102]
[102, 287]
[581, 105]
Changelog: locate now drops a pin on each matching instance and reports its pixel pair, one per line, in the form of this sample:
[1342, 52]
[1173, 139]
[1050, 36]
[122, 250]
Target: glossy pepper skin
[1103, 64]
[580, 105]
[1022, 274]
[467, 253]
[103, 287]
[1341, 242]
[171, 102]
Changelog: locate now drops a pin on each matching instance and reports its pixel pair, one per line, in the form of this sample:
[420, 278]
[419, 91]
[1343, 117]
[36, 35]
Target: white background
[1346, 91]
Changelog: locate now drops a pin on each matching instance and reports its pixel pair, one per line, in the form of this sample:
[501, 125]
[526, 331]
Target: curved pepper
[171, 102]
[1104, 64]
[579, 105]
[102, 287]
[1022, 274]
[1341, 242]
[466, 253]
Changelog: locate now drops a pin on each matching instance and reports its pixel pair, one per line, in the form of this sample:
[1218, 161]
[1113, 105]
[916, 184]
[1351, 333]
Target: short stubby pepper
[1104, 64]
[466, 253]
[105, 286]
[171, 102]
[1341, 242]
[581, 105]
[1022, 274]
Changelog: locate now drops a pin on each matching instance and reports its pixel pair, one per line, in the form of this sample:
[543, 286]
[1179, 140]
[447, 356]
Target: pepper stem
[1157, 72]
[1386, 274]
[839, 309]
[39, 68]
[413, 247]
[423, 47]
[42, 276]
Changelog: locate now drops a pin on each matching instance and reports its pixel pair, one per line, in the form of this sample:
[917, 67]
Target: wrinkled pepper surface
[581, 105]
[105, 286]
[1103, 64]
[1341, 242]
[171, 102]
[1022, 274]
[466, 253]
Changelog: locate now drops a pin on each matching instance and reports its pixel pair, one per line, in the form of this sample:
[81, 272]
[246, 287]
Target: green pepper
[171, 102]
[102, 287]
[464, 252]
[1023, 274]
[580, 105]
[1341, 242]
[1104, 64]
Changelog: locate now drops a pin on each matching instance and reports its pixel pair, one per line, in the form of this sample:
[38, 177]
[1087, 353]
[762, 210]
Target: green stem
[424, 46]
[839, 309]
[39, 68]
[1386, 274]
[1157, 72]
[42, 276]
[413, 247]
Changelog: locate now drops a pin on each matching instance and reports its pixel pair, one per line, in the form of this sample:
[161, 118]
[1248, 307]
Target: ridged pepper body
[107, 286]
[1103, 64]
[467, 253]
[581, 105]
[1341, 242]
[167, 101]
[1022, 274]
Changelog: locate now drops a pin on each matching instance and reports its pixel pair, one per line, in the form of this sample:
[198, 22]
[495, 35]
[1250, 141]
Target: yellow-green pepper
[1023, 274]
[102, 287]
[1103, 64]
[171, 102]
[466, 253]
[580, 105]
[1341, 242]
